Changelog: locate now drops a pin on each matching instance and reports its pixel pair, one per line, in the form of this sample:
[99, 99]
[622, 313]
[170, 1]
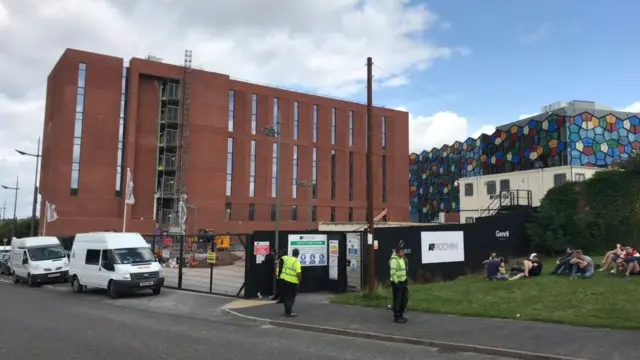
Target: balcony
[171, 92]
[168, 186]
[169, 138]
[170, 115]
[168, 163]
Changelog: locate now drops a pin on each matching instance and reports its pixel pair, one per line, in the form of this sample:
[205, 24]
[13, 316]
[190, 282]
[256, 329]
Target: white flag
[129, 199]
[52, 215]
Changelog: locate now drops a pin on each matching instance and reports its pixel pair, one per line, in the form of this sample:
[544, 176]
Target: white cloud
[635, 107]
[297, 44]
[441, 128]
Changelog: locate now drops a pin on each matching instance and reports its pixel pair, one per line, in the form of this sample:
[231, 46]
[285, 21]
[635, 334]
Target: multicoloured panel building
[577, 133]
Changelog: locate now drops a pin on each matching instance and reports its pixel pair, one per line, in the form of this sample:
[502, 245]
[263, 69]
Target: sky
[459, 67]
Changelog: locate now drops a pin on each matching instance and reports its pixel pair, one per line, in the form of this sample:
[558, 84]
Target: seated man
[563, 264]
[630, 260]
[611, 257]
[530, 267]
[582, 266]
[496, 269]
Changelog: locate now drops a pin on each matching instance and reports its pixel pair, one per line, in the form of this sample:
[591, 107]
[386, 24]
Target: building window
[314, 213]
[252, 212]
[333, 214]
[254, 113]
[579, 177]
[314, 173]
[351, 175]
[276, 114]
[296, 113]
[229, 165]
[384, 178]
[333, 174]
[469, 220]
[77, 131]
[505, 185]
[273, 212]
[468, 189]
[384, 133]
[333, 126]
[294, 213]
[350, 214]
[123, 111]
[274, 169]
[294, 189]
[315, 123]
[350, 127]
[491, 187]
[232, 108]
[252, 170]
[559, 179]
[227, 211]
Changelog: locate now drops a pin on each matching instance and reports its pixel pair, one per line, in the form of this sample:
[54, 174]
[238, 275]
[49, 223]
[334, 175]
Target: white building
[479, 195]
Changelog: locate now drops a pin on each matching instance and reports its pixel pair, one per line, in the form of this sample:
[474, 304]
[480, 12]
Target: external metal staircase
[508, 201]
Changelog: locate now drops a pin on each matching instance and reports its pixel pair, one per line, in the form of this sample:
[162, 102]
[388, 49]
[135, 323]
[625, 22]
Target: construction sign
[211, 257]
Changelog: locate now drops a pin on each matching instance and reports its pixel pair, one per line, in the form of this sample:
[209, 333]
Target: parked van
[116, 262]
[38, 260]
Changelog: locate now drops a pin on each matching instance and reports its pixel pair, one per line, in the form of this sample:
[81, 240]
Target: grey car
[5, 266]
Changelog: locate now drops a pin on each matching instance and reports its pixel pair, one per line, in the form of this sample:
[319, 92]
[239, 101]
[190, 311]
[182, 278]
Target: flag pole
[124, 219]
[46, 219]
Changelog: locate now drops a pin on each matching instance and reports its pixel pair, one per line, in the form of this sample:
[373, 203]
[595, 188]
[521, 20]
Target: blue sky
[525, 55]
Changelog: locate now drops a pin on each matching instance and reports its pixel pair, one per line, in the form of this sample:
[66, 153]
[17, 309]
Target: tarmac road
[54, 323]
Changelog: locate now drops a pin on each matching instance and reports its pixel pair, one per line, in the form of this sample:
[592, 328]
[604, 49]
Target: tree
[22, 229]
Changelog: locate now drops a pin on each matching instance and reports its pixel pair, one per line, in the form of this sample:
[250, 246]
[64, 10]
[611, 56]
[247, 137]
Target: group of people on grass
[573, 263]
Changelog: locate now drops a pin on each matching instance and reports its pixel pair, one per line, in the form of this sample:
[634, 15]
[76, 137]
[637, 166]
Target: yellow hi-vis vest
[290, 270]
[284, 260]
[398, 269]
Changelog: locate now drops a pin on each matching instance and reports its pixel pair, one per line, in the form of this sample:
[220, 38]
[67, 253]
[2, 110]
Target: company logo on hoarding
[503, 235]
[443, 246]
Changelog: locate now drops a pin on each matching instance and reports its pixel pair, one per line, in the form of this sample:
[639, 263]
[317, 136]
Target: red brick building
[103, 117]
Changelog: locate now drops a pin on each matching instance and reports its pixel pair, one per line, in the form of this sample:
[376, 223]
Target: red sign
[261, 248]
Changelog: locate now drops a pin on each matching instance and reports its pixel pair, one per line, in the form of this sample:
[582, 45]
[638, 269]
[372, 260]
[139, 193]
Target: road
[41, 323]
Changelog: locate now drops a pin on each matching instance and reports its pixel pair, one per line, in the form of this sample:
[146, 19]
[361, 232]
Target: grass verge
[603, 301]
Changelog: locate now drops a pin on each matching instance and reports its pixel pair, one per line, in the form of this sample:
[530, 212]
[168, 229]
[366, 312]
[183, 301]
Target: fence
[184, 259]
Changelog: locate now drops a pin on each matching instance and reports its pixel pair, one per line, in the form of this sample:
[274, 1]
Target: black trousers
[267, 289]
[288, 296]
[278, 294]
[400, 292]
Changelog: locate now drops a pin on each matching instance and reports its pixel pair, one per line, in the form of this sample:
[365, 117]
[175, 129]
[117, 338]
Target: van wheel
[156, 291]
[112, 291]
[15, 279]
[76, 286]
[30, 281]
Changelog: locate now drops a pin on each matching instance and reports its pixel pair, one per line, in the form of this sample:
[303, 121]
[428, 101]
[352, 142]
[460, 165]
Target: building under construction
[201, 148]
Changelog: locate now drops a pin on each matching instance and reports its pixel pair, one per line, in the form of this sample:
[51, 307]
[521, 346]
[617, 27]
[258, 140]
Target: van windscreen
[132, 255]
[46, 252]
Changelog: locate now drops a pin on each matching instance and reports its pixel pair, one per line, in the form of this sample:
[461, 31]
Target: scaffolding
[172, 154]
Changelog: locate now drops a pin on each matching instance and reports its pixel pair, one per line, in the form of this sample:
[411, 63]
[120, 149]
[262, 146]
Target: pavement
[51, 322]
[518, 339]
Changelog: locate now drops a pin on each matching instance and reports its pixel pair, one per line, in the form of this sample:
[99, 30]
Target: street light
[15, 204]
[274, 133]
[37, 155]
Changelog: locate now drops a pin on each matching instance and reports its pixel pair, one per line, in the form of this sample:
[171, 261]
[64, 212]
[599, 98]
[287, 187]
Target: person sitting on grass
[530, 267]
[496, 269]
[582, 266]
[563, 264]
[629, 261]
[611, 258]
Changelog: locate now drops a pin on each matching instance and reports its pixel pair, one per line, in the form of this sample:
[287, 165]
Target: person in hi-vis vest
[292, 277]
[398, 276]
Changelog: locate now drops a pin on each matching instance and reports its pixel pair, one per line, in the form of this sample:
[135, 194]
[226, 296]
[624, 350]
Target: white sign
[312, 247]
[442, 246]
[502, 235]
[333, 259]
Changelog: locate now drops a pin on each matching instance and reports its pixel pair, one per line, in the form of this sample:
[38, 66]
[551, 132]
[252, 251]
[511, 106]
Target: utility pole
[274, 132]
[370, 235]
[37, 155]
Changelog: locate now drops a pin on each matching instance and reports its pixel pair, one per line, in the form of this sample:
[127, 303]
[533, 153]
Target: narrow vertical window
[350, 214]
[77, 131]
[384, 178]
[252, 212]
[294, 213]
[315, 173]
[333, 174]
[232, 108]
[294, 189]
[333, 126]
[229, 165]
[276, 113]
[227, 210]
[274, 169]
[350, 127]
[384, 133]
[254, 113]
[296, 113]
[333, 214]
[350, 175]
[315, 123]
[121, 125]
[252, 170]
[273, 212]
[314, 213]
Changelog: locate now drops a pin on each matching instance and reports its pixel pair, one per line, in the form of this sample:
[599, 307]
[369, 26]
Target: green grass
[603, 301]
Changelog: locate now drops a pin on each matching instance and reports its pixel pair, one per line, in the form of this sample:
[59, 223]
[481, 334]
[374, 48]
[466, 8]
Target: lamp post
[37, 155]
[275, 133]
[15, 204]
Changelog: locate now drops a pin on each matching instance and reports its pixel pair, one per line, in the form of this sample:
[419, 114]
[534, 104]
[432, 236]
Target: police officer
[398, 274]
[291, 278]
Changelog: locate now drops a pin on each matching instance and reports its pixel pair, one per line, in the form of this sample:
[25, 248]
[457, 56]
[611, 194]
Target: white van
[117, 262]
[38, 260]
[5, 249]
